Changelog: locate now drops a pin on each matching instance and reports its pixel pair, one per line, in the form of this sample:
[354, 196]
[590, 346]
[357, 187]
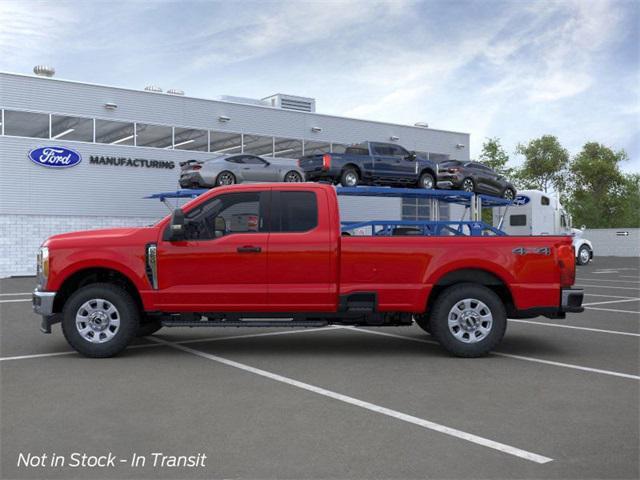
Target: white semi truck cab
[535, 212]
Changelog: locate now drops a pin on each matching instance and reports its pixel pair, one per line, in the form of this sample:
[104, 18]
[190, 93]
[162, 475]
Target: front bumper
[42, 303]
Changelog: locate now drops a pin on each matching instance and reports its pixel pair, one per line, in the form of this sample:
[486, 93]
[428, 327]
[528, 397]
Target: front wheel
[468, 320]
[584, 255]
[509, 194]
[427, 181]
[293, 177]
[100, 320]
[468, 185]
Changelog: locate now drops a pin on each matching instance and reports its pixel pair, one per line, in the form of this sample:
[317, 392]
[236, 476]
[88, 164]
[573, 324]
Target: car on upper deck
[474, 177]
[371, 163]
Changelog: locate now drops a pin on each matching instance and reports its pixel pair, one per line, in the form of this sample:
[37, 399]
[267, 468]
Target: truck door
[221, 265]
[383, 162]
[302, 260]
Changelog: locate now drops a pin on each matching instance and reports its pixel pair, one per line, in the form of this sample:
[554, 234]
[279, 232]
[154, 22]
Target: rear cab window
[294, 211]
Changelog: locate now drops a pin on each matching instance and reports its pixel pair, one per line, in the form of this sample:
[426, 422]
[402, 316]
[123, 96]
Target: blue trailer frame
[475, 202]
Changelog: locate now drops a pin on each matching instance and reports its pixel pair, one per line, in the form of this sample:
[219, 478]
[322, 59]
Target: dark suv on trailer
[474, 177]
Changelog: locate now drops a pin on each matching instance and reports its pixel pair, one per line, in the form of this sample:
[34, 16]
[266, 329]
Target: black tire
[222, 177]
[508, 194]
[293, 177]
[127, 311]
[468, 185]
[579, 258]
[347, 175]
[427, 181]
[423, 322]
[148, 327]
[455, 295]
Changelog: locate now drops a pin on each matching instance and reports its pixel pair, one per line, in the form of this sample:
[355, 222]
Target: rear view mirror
[176, 227]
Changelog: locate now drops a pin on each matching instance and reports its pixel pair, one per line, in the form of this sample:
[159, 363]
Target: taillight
[326, 161]
[299, 163]
[196, 167]
[567, 264]
[453, 170]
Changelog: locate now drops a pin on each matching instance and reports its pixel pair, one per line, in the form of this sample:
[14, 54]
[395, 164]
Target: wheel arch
[478, 276]
[429, 170]
[354, 166]
[90, 275]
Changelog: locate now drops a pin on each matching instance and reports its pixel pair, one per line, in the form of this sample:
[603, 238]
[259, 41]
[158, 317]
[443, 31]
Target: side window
[544, 200]
[379, 149]
[251, 160]
[298, 212]
[235, 159]
[398, 151]
[563, 221]
[518, 220]
[225, 215]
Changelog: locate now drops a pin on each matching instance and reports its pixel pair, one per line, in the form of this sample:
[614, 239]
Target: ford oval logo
[55, 157]
[521, 200]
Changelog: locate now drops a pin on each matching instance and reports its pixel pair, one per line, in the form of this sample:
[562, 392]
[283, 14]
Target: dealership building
[130, 142]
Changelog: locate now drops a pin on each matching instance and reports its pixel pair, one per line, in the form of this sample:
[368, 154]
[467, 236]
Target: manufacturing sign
[55, 157]
[131, 162]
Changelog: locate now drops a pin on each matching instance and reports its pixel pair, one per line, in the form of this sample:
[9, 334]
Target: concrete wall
[607, 242]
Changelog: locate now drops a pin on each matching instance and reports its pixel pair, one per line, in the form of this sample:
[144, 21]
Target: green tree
[600, 195]
[545, 164]
[494, 156]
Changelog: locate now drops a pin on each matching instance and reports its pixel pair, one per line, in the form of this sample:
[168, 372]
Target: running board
[245, 323]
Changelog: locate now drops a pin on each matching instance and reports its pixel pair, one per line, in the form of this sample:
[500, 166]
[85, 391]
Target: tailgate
[310, 163]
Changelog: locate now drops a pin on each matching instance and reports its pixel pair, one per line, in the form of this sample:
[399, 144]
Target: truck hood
[106, 236]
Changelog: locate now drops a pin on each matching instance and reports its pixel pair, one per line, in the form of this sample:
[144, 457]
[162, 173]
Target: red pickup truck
[274, 255]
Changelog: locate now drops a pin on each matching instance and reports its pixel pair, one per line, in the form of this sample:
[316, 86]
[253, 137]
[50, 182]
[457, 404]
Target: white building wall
[613, 241]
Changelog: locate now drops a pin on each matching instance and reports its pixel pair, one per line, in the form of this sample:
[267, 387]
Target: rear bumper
[570, 302]
[42, 303]
[192, 179]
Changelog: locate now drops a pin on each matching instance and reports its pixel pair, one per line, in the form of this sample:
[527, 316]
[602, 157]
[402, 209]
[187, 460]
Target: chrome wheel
[293, 177]
[427, 182]
[584, 255]
[508, 194]
[226, 178]
[351, 179]
[467, 185]
[97, 320]
[470, 320]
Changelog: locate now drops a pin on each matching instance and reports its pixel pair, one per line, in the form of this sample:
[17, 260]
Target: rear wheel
[468, 185]
[468, 320]
[349, 177]
[293, 177]
[584, 255]
[225, 178]
[427, 181]
[100, 320]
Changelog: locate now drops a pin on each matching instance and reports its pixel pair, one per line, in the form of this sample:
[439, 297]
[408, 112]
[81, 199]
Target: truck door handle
[249, 249]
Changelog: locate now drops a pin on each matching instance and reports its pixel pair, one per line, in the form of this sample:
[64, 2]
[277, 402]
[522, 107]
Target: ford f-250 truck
[273, 255]
[371, 163]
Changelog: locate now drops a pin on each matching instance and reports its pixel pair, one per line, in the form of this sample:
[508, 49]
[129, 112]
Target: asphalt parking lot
[559, 399]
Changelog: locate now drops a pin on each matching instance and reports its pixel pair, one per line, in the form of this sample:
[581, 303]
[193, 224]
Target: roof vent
[421, 124]
[292, 102]
[44, 71]
[175, 91]
[153, 88]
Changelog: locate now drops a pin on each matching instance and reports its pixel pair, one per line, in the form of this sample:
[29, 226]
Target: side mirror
[583, 227]
[412, 156]
[220, 226]
[176, 227]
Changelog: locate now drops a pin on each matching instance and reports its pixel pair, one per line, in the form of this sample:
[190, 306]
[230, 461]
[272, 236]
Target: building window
[225, 143]
[258, 145]
[287, 148]
[26, 124]
[71, 128]
[313, 148]
[415, 209]
[114, 133]
[157, 136]
[191, 139]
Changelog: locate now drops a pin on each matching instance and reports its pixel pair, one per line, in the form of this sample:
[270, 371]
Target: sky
[514, 70]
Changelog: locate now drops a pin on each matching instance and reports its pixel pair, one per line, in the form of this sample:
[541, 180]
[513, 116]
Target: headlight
[43, 266]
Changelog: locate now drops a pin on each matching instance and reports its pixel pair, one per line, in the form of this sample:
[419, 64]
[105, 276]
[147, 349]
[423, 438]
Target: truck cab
[535, 212]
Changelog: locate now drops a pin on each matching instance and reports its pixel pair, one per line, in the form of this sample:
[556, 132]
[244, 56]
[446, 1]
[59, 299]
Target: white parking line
[607, 280]
[508, 355]
[608, 286]
[610, 301]
[180, 342]
[612, 310]
[587, 329]
[14, 294]
[605, 296]
[17, 300]
[469, 437]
